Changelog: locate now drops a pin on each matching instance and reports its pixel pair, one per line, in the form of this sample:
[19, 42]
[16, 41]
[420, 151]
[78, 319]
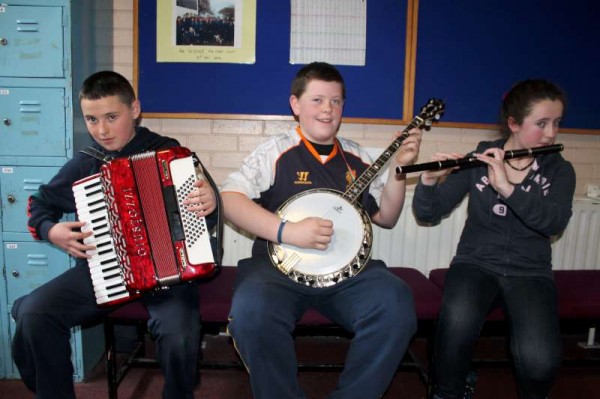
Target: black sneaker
[470, 386]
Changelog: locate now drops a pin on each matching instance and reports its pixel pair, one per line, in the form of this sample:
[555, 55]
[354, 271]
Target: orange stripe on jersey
[314, 152]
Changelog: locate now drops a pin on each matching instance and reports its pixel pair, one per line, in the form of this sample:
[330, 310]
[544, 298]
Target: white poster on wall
[333, 31]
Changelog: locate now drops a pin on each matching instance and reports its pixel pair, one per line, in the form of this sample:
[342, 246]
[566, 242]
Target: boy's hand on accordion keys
[66, 235]
[202, 200]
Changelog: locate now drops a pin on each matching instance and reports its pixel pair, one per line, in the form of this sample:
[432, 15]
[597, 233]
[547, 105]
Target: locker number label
[7, 170]
[12, 245]
[4, 92]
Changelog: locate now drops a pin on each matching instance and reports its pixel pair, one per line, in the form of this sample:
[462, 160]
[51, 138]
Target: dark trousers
[41, 348]
[531, 308]
[376, 306]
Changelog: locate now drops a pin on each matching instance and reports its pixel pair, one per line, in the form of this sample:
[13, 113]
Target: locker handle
[28, 29]
[11, 199]
[31, 25]
[7, 121]
[37, 263]
[32, 184]
[30, 109]
[16, 273]
[3, 41]
[30, 106]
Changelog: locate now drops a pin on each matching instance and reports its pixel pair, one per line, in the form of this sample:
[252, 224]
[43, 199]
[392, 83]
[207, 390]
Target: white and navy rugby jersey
[288, 164]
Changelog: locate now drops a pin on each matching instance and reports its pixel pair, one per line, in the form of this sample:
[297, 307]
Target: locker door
[28, 265]
[31, 41]
[4, 320]
[32, 121]
[11, 368]
[18, 183]
[12, 372]
[31, 264]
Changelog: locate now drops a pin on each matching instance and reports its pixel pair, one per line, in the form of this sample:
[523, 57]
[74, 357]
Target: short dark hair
[521, 98]
[319, 71]
[107, 83]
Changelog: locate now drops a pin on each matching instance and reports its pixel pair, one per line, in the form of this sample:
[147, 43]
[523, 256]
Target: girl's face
[319, 110]
[540, 127]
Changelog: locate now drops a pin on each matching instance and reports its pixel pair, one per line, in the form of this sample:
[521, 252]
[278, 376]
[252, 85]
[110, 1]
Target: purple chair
[215, 302]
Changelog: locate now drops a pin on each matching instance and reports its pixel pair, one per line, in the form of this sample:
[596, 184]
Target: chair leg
[111, 359]
[430, 348]
[141, 338]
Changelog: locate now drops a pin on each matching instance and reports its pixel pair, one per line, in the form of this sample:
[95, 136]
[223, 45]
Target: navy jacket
[511, 236]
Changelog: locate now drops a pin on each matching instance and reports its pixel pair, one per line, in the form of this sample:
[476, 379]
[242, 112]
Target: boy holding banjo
[293, 193]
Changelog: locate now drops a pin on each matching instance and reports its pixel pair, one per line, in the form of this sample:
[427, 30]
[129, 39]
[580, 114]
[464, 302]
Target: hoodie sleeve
[546, 207]
[432, 203]
[54, 199]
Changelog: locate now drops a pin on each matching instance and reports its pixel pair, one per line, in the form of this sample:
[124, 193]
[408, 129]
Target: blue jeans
[531, 308]
[41, 349]
[375, 306]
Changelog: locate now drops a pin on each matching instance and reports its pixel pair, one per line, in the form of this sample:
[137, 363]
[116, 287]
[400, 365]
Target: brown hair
[107, 83]
[319, 71]
[521, 98]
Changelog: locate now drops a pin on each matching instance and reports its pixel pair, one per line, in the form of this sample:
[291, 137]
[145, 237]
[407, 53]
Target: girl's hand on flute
[431, 177]
[494, 159]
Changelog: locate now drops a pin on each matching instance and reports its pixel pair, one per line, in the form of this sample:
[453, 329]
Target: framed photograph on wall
[201, 31]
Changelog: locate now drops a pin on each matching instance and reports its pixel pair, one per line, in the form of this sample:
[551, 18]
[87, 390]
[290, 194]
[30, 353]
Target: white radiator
[426, 248]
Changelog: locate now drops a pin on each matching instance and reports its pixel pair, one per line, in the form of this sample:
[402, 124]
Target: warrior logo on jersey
[302, 178]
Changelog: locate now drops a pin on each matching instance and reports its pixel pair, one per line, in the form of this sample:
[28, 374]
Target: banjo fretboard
[431, 111]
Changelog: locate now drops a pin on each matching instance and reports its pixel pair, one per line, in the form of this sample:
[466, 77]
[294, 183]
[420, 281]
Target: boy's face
[319, 110]
[110, 122]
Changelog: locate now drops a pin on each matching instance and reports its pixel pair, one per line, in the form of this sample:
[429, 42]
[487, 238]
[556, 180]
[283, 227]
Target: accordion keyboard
[108, 282]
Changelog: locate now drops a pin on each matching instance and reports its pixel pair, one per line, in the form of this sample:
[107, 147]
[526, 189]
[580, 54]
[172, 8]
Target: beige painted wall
[222, 144]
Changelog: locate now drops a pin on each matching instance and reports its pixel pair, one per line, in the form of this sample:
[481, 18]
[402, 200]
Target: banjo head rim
[351, 266]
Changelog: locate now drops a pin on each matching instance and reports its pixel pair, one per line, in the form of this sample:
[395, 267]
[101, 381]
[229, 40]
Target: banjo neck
[367, 177]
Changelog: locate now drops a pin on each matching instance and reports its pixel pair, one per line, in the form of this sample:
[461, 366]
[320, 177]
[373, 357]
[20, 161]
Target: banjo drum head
[350, 225]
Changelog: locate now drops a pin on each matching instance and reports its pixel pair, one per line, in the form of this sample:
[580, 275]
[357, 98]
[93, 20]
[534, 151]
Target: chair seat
[130, 311]
[578, 293]
[216, 294]
[215, 302]
[428, 296]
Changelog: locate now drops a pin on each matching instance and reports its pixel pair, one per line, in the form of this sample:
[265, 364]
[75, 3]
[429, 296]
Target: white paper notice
[333, 31]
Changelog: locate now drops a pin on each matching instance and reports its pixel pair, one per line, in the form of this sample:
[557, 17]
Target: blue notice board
[470, 52]
[375, 90]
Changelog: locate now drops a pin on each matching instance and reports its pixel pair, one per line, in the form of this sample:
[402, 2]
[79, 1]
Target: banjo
[351, 244]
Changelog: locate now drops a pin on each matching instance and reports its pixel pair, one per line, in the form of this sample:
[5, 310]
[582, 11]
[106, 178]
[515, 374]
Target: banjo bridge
[289, 262]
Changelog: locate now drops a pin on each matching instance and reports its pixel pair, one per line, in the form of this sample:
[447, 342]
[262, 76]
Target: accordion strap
[99, 155]
[154, 145]
[158, 143]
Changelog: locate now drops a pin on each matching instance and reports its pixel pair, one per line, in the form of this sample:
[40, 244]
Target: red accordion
[145, 237]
